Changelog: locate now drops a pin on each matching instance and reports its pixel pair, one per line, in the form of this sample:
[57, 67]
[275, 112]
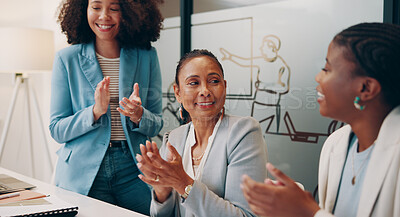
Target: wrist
[139, 118]
[96, 113]
[162, 194]
[185, 187]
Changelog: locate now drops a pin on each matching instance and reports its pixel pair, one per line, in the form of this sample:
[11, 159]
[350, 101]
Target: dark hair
[141, 22]
[188, 56]
[375, 48]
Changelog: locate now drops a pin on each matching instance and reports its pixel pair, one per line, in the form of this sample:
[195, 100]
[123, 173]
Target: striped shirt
[110, 68]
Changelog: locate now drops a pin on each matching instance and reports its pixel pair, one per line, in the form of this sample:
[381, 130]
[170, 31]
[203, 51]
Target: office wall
[302, 27]
[274, 47]
[16, 154]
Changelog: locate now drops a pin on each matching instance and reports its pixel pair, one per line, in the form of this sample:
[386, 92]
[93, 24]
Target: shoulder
[239, 124]
[70, 51]
[237, 130]
[141, 51]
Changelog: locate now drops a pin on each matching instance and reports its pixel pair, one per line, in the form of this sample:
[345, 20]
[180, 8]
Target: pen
[9, 195]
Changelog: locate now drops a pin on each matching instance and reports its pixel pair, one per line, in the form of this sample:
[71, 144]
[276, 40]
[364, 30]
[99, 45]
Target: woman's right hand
[147, 167]
[101, 98]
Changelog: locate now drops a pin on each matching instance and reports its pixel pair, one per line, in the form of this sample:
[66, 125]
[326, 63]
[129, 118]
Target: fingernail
[270, 166]
[149, 154]
[138, 157]
[139, 165]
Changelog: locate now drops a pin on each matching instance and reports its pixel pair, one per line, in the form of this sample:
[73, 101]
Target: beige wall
[16, 154]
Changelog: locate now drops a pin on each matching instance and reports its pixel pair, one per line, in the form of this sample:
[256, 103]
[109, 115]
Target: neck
[204, 129]
[367, 125]
[108, 49]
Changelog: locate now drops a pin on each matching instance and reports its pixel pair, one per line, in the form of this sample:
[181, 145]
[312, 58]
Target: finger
[150, 181]
[155, 148]
[148, 146]
[143, 150]
[107, 82]
[280, 176]
[128, 104]
[123, 112]
[158, 161]
[174, 154]
[254, 192]
[136, 90]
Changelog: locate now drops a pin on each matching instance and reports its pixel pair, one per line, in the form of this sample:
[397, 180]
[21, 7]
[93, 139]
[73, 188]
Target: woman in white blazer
[197, 171]
[359, 170]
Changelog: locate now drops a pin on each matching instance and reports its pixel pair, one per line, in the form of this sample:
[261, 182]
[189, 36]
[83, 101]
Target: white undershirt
[195, 171]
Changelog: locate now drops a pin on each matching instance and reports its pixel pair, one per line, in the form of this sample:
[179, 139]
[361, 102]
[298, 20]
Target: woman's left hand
[168, 173]
[132, 106]
[278, 198]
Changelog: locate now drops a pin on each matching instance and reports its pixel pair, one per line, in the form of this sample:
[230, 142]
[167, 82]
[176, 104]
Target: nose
[318, 76]
[205, 92]
[104, 14]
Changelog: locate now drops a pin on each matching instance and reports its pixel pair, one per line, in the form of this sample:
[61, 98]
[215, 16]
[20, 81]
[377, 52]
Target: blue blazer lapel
[89, 65]
[127, 71]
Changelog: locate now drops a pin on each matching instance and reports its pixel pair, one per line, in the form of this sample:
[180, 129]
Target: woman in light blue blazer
[197, 171]
[106, 98]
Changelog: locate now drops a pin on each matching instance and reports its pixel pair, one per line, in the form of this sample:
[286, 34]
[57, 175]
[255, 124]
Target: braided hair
[188, 56]
[375, 48]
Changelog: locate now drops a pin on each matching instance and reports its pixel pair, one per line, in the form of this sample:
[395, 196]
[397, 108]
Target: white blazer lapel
[336, 161]
[381, 158]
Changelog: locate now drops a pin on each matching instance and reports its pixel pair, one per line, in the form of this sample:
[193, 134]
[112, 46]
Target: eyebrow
[98, 1]
[196, 76]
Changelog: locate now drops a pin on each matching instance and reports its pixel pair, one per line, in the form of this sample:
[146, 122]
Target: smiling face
[104, 17]
[201, 89]
[338, 86]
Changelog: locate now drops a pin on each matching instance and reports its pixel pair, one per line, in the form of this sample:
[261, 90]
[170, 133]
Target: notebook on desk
[10, 184]
[46, 206]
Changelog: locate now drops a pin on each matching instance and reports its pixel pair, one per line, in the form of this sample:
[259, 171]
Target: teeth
[205, 103]
[320, 94]
[104, 26]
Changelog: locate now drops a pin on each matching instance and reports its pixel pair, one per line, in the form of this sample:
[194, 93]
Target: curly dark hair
[375, 48]
[141, 22]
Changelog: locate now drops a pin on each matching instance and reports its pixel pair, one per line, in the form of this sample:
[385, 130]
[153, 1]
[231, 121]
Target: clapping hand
[132, 107]
[162, 175]
[101, 98]
[278, 198]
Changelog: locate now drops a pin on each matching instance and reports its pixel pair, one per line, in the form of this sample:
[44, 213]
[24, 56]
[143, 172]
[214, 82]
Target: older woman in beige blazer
[359, 171]
[197, 171]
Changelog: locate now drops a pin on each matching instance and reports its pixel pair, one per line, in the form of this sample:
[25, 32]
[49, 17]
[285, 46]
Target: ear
[177, 93]
[370, 89]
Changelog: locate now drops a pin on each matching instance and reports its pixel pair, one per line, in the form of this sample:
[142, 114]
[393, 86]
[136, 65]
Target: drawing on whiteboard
[272, 81]
[301, 136]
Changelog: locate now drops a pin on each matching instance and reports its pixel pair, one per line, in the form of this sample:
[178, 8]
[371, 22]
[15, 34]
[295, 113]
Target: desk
[88, 207]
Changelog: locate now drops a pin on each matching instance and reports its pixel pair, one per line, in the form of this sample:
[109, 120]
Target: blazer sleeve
[246, 155]
[151, 122]
[65, 124]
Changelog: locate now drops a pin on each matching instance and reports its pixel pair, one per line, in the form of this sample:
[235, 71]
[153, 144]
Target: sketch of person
[273, 76]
